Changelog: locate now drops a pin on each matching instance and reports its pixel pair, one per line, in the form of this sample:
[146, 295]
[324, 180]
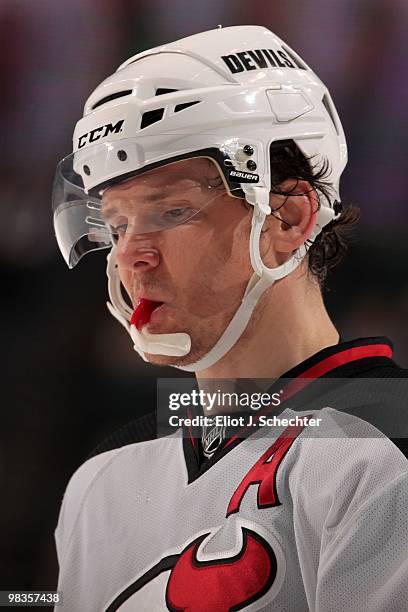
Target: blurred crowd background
[70, 375]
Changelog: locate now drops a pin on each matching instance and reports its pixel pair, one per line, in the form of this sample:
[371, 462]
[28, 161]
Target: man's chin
[161, 360]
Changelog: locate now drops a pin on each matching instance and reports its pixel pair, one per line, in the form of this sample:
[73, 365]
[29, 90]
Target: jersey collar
[330, 359]
[346, 359]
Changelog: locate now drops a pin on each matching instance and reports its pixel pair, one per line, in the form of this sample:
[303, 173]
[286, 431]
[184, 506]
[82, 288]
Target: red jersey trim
[334, 361]
[324, 367]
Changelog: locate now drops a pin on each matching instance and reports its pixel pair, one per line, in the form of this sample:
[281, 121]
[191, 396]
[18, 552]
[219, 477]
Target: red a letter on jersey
[263, 473]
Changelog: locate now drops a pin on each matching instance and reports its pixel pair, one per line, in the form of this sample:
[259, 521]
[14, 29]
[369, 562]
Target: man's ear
[291, 222]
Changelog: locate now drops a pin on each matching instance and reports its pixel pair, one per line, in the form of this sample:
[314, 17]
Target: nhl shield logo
[212, 438]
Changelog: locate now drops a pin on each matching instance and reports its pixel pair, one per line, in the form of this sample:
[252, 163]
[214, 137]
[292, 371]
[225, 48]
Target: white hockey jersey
[291, 524]
[286, 520]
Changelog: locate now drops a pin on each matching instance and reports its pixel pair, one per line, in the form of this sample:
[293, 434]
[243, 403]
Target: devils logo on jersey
[235, 576]
[200, 581]
[229, 584]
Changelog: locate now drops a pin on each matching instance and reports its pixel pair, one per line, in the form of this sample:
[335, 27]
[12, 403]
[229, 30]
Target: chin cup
[175, 345]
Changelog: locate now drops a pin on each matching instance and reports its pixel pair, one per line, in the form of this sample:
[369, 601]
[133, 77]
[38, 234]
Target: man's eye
[178, 214]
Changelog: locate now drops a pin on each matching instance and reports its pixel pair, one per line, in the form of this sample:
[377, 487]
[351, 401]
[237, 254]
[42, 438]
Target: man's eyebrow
[162, 195]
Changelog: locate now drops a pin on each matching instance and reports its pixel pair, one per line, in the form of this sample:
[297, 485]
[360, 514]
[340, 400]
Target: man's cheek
[126, 280]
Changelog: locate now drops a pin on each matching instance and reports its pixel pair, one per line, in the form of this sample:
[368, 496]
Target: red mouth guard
[143, 311]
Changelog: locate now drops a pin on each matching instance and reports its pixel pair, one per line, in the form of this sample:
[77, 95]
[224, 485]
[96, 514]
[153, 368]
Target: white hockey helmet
[227, 95]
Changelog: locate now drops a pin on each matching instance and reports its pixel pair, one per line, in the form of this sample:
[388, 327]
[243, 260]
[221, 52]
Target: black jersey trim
[335, 349]
[346, 359]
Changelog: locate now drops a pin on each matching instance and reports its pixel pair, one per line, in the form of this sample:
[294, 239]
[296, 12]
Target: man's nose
[135, 253]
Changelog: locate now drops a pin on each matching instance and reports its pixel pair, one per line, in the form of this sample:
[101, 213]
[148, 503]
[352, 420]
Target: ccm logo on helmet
[100, 132]
[257, 58]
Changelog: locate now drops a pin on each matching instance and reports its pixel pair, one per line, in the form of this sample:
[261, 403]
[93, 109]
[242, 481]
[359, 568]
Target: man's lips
[143, 311]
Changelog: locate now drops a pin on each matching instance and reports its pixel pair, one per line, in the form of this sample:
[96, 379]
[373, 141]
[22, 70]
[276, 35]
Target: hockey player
[210, 168]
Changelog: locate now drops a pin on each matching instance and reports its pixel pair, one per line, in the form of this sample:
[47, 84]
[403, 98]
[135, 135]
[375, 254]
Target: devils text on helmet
[259, 58]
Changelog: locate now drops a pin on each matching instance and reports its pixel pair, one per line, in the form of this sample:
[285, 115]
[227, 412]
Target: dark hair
[329, 248]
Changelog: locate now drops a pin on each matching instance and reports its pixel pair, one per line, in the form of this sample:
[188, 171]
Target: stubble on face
[205, 268]
[212, 290]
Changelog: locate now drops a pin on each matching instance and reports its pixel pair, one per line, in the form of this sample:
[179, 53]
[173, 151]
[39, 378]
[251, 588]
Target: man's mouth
[143, 311]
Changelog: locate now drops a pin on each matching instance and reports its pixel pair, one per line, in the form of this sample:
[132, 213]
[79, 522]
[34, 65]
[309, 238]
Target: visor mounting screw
[87, 170]
[122, 155]
[251, 165]
[248, 150]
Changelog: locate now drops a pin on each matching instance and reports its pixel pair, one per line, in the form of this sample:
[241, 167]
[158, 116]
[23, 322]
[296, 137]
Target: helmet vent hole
[181, 107]
[114, 96]
[151, 117]
[87, 170]
[122, 155]
[160, 91]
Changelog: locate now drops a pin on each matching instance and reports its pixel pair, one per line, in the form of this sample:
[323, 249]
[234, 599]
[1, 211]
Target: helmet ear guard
[211, 104]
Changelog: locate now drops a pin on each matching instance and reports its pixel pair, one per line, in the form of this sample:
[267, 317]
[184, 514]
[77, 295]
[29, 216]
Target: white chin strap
[179, 344]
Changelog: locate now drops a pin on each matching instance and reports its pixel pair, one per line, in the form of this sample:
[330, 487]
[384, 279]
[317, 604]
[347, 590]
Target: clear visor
[155, 200]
